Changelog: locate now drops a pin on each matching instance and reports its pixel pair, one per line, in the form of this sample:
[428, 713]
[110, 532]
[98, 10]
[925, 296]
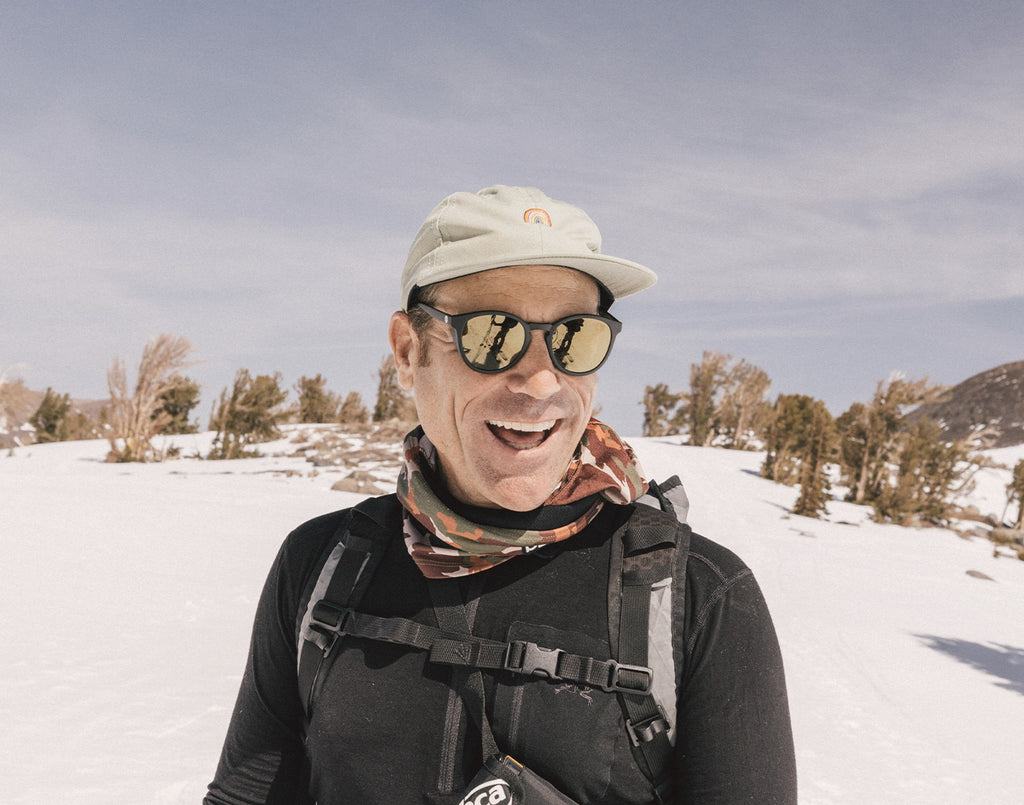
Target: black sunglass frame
[457, 322]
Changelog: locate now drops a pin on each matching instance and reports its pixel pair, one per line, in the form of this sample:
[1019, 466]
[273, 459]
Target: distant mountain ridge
[994, 399]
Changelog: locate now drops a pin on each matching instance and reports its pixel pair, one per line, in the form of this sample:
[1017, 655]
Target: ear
[404, 346]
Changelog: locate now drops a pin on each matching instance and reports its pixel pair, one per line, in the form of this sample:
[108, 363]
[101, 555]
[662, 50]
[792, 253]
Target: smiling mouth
[522, 435]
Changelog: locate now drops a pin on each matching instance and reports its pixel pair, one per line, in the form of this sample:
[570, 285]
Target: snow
[127, 592]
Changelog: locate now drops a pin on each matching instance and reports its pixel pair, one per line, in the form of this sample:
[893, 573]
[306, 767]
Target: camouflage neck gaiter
[603, 465]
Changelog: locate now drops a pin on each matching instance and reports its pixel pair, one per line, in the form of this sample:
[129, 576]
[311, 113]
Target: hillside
[993, 399]
[129, 593]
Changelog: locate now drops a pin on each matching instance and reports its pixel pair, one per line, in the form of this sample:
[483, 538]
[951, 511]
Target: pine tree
[352, 411]
[928, 472]
[659, 411]
[176, 404]
[791, 436]
[815, 489]
[248, 414]
[51, 418]
[392, 400]
[699, 406]
[742, 410]
[870, 434]
[1015, 493]
[851, 429]
[316, 403]
[725, 399]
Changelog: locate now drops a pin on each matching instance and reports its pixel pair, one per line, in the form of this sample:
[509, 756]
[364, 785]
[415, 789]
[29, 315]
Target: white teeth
[523, 427]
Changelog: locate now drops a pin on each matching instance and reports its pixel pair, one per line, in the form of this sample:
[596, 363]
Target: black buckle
[328, 618]
[616, 684]
[648, 729]
[523, 657]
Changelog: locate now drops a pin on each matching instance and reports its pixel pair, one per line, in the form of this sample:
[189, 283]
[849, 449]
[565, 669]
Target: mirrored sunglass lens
[492, 341]
[580, 345]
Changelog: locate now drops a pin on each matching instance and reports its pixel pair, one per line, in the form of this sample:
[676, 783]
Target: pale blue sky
[831, 191]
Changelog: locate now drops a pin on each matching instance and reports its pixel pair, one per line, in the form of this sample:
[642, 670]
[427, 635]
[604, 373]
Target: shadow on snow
[1003, 662]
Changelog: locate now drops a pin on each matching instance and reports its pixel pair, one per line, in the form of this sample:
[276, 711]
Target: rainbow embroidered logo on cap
[472, 232]
[537, 216]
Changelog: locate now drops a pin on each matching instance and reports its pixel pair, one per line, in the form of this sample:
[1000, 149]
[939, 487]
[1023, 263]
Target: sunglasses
[492, 341]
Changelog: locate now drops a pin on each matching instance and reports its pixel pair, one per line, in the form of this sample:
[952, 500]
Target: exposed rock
[360, 482]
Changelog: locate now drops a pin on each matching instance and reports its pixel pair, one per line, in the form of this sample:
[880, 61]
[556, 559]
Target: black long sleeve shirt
[379, 732]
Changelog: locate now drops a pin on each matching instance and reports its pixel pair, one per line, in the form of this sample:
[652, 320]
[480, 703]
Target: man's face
[504, 440]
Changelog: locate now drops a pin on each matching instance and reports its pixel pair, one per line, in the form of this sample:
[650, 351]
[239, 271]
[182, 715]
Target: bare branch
[135, 418]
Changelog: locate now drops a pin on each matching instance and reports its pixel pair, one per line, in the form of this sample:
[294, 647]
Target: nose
[534, 374]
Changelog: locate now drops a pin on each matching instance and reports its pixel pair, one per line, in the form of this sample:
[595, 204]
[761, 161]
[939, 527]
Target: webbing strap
[647, 722]
[454, 615]
[448, 647]
[643, 545]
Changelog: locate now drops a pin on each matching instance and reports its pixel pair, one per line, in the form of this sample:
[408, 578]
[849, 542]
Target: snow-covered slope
[126, 594]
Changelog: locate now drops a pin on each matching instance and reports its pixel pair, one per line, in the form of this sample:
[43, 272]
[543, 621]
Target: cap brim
[620, 277]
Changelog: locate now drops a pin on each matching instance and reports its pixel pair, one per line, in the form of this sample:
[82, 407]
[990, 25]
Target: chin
[519, 495]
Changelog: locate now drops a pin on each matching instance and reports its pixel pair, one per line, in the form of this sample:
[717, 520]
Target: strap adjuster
[528, 658]
[328, 618]
[623, 678]
[647, 730]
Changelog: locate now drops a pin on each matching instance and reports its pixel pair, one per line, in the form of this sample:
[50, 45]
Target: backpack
[645, 559]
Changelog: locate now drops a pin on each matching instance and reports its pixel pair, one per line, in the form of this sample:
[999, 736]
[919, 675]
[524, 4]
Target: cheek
[586, 389]
[429, 399]
[442, 392]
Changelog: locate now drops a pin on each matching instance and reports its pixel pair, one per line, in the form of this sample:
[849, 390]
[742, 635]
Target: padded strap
[647, 549]
[361, 539]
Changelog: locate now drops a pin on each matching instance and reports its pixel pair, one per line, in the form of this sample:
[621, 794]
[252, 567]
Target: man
[510, 512]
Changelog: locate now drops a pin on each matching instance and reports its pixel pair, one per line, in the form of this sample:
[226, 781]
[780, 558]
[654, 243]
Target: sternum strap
[452, 648]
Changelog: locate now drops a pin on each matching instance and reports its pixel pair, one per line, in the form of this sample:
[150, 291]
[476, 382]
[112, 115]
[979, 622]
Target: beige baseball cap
[513, 226]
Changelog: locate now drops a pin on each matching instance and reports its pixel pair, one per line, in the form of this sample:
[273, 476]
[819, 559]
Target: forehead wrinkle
[519, 290]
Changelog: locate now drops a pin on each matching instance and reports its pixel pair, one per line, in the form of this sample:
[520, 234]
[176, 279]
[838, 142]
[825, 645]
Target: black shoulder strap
[361, 540]
[647, 553]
